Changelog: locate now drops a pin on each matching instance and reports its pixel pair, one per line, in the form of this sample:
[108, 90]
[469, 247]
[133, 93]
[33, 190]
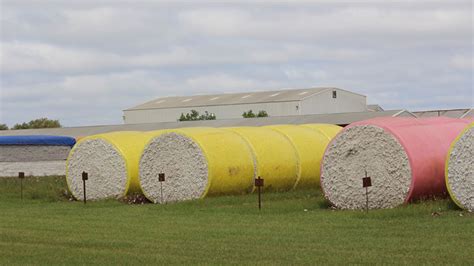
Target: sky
[83, 62]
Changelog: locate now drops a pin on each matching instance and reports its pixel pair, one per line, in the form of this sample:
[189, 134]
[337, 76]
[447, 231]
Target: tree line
[36, 123]
[195, 116]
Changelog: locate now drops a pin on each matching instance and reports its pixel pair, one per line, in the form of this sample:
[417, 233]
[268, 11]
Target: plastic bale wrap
[275, 158]
[328, 130]
[459, 169]
[111, 161]
[404, 157]
[309, 144]
[197, 162]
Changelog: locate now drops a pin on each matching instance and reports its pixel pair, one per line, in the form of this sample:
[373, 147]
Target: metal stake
[21, 176]
[161, 179]
[161, 191]
[259, 199]
[85, 176]
[367, 199]
[259, 184]
[366, 183]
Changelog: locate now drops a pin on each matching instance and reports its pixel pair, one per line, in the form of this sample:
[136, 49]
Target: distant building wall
[221, 112]
[324, 103]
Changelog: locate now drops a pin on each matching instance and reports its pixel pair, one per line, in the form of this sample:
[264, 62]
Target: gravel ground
[42, 168]
[33, 153]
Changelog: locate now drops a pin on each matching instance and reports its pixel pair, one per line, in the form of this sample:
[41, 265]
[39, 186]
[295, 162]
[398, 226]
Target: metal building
[230, 106]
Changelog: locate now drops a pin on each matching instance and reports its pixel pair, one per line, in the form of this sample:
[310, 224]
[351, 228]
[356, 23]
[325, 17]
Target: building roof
[338, 119]
[231, 98]
[374, 108]
[453, 113]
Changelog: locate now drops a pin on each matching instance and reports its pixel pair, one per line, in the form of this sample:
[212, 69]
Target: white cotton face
[356, 150]
[461, 170]
[181, 160]
[105, 166]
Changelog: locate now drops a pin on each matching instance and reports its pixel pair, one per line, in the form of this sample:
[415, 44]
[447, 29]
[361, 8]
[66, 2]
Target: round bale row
[198, 162]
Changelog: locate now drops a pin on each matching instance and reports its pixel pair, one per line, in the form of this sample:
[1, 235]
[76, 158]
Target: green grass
[47, 228]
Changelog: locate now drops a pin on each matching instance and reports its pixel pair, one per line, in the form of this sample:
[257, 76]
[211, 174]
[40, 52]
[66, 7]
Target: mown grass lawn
[292, 228]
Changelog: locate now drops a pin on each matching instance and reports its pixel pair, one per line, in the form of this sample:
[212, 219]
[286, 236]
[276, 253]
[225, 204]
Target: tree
[207, 116]
[3, 127]
[38, 123]
[194, 116]
[250, 114]
[262, 113]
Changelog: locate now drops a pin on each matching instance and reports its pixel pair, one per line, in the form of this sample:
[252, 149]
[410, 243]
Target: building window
[334, 94]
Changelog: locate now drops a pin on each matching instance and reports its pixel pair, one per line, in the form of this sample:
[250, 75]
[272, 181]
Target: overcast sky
[83, 62]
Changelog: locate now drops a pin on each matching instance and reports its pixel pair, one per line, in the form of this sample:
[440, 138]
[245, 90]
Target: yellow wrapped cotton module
[274, 156]
[197, 162]
[310, 145]
[111, 161]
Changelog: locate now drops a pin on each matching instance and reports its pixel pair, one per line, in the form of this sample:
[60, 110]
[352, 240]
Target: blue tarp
[37, 140]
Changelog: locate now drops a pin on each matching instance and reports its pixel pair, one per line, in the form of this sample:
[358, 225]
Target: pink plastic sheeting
[426, 142]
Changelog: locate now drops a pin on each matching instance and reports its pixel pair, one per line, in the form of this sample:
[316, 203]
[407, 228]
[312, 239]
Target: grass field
[292, 228]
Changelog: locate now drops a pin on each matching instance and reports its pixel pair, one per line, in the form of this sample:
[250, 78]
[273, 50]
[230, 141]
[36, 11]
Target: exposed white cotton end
[105, 166]
[461, 170]
[365, 148]
[184, 163]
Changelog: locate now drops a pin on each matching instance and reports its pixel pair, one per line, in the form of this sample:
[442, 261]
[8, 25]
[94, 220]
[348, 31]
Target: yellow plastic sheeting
[230, 161]
[330, 131]
[275, 157]
[310, 145]
[130, 145]
[446, 168]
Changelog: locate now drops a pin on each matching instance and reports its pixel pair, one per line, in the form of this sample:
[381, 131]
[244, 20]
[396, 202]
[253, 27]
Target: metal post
[85, 176]
[21, 176]
[366, 195]
[161, 179]
[161, 191]
[259, 185]
[259, 199]
[366, 183]
[367, 199]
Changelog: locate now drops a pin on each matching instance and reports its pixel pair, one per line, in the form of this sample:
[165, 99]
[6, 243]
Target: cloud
[85, 61]
[27, 56]
[462, 62]
[309, 24]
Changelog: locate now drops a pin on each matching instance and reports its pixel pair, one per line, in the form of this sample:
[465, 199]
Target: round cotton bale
[197, 162]
[460, 169]
[111, 161]
[309, 145]
[403, 156]
[275, 158]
